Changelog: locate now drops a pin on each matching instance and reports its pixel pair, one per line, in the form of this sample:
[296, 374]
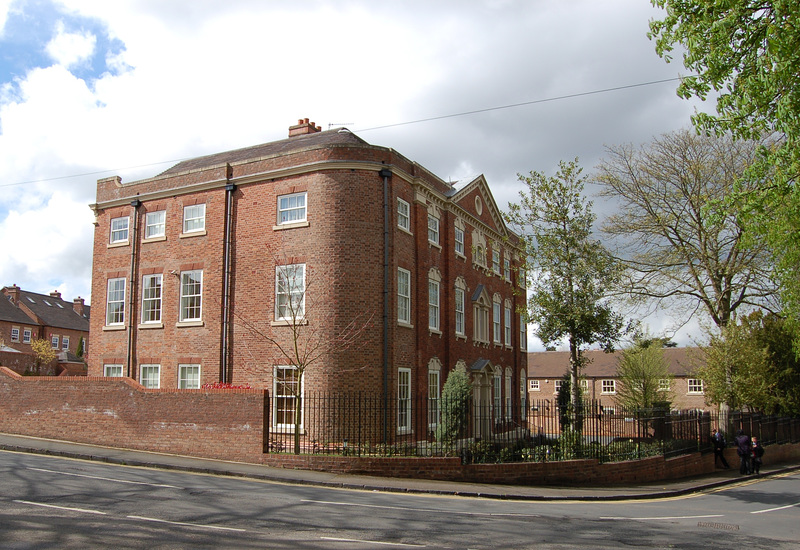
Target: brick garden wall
[223, 424]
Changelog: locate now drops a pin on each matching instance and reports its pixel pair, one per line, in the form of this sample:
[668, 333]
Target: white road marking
[776, 509]
[43, 505]
[105, 478]
[373, 542]
[409, 509]
[184, 524]
[655, 518]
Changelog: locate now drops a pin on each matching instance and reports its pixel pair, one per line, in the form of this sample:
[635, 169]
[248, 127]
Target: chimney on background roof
[13, 294]
[77, 305]
[55, 294]
[303, 127]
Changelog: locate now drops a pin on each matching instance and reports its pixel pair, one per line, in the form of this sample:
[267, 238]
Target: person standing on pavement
[756, 452]
[718, 439]
[743, 450]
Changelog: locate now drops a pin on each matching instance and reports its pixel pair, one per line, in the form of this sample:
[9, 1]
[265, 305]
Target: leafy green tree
[747, 53]
[641, 371]
[570, 415]
[683, 248]
[751, 365]
[456, 394]
[570, 272]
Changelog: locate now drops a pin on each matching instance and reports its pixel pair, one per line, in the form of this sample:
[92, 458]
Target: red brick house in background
[600, 381]
[366, 234]
[27, 316]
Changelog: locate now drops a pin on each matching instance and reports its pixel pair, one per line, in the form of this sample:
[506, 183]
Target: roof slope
[553, 364]
[328, 138]
[55, 312]
[11, 313]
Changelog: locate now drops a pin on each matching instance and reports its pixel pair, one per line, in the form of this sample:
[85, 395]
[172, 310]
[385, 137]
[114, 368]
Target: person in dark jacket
[756, 452]
[743, 450]
[718, 439]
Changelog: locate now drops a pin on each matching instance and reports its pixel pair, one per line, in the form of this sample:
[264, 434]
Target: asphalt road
[49, 502]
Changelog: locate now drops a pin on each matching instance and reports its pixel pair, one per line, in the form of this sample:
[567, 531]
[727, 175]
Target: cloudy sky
[93, 88]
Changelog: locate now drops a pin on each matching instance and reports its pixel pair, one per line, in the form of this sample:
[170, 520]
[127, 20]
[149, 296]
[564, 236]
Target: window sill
[113, 327]
[186, 324]
[435, 332]
[118, 245]
[154, 239]
[404, 230]
[404, 324]
[461, 337]
[201, 233]
[288, 322]
[293, 225]
[434, 245]
[461, 256]
[145, 326]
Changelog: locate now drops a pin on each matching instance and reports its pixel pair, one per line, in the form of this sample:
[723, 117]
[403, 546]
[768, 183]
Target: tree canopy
[747, 53]
[681, 245]
[642, 370]
[570, 273]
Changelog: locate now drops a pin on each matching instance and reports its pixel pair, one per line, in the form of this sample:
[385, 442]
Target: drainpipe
[225, 375]
[385, 174]
[132, 291]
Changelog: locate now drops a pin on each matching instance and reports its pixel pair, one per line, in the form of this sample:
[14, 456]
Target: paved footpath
[129, 457]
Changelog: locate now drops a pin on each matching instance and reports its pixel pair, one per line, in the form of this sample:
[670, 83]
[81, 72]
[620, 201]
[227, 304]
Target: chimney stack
[13, 294]
[55, 294]
[303, 127]
[77, 305]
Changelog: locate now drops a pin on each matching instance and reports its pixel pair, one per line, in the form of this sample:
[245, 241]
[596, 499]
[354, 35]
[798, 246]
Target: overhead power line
[418, 121]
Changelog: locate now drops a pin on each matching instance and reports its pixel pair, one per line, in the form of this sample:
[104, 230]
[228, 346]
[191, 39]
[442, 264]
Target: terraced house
[199, 272]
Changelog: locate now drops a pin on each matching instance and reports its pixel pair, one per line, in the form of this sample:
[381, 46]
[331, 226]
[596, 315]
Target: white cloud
[5, 8]
[69, 48]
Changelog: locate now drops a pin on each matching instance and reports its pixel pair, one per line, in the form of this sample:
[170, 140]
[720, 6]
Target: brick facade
[351, 190]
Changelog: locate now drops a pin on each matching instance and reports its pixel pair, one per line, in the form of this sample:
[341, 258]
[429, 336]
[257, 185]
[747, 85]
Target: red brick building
[600, 381]
[26, 316]
[323, 224]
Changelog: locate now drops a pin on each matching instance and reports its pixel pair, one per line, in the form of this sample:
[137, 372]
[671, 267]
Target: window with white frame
[496, 260]
[534, 385]
[507, 326]
[290, 292]
[115, 302]
[403, 400]
[480, 311]
[664, 384]
[507, 269]
[292, 208]
[584, 385]
[191, 295]
[151, 298]
[434, 394]
[523, 333]
[480, 255]
[114, 371]
[403, 215]
[695, 386]
[150, 376]
[608, 386]
[459, 241]
[119, 230]
[65, 343]
[26, 336]
[508, 394]
[522, 280]
[288, 391]
[194, 218]
[189, 377]
[433, 304]
[15, 334]
[497, 394]
[403, 296]
[433, 229]
[557, 385]
[155, 224]
[459, 317]
[497, 323]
